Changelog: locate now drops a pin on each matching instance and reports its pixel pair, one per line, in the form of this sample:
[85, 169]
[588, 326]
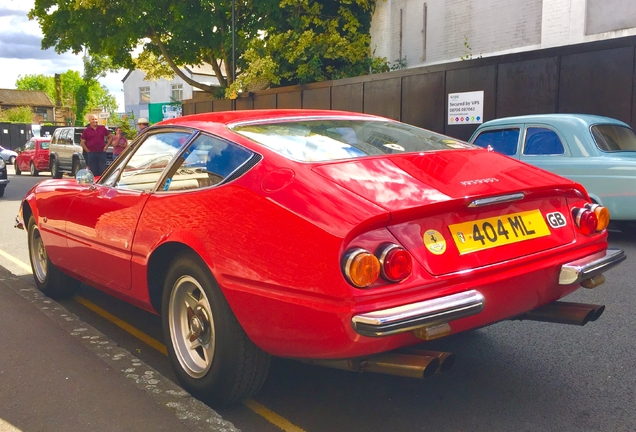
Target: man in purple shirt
[93, 143]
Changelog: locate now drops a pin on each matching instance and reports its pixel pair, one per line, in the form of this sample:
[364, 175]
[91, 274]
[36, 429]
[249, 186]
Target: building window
[177, 92]
[144, 95]
[40, 112]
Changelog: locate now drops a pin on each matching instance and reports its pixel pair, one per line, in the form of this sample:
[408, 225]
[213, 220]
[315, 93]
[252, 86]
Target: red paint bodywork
[274, 238]
[38, 155]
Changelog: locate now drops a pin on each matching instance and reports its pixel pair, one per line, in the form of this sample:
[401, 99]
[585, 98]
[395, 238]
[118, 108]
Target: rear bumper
[586, 268]
[4, 182]
[409, 317]
[441, 310]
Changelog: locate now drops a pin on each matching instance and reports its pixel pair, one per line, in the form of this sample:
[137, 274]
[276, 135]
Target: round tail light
[361, 268]
[586, 220]
[602, 215]
[395, 262]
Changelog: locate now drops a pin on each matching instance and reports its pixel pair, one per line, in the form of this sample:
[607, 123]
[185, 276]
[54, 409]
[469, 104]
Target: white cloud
[21, 52]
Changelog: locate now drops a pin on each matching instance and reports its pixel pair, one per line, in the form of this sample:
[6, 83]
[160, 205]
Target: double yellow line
[259, 409]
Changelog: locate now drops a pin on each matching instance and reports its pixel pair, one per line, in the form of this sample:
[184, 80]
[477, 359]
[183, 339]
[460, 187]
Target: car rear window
[332, 139]
[501, 140]
[44, 145]
[612, 138]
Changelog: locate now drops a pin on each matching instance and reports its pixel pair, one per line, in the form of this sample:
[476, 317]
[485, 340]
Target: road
[515, 375]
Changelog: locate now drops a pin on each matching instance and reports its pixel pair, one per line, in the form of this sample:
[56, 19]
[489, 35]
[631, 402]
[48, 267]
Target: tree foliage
[276, 41]
[17, 115]
[75, 91]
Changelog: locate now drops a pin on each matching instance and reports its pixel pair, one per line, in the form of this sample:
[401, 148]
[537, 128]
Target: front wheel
[17, 169]
[76, 167]
[212, 356]
[34, 171]
[48, 278]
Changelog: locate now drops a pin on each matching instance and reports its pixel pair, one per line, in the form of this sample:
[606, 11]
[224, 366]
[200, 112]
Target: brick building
[38, 101]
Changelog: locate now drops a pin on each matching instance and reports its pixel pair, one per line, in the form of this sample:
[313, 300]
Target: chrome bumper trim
[590, 266]
[412, 316]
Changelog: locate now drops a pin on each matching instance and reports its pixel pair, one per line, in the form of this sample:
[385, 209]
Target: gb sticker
[556, 220]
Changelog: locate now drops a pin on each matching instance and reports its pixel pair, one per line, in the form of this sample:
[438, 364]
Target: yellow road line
[271, 416]
[154, 343]
[259, 409]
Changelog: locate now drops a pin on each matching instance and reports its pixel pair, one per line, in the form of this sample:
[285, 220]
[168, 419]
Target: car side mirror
[85, 176]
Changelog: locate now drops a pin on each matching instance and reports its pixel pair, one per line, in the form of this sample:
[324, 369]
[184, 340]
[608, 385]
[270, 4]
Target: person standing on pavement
[93, 142]
[119, 142]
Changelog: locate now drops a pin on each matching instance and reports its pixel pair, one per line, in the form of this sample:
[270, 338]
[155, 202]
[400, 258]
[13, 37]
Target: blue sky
[21, 53]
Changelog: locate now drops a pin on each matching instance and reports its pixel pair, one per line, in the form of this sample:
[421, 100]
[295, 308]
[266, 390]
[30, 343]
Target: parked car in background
[336, 238]
[598, 152]
[8, 155]
[66, 153]
[34, 156]
[4, 180]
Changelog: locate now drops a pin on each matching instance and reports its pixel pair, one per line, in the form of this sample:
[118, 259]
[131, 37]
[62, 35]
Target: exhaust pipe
[406, 365]
[564, 313]
[446, 359]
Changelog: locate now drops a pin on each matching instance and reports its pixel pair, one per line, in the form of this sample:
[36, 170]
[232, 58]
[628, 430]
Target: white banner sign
[466, 108]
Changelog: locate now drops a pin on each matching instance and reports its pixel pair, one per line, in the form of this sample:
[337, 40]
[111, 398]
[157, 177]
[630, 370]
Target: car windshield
[614, 138]
[331, 139]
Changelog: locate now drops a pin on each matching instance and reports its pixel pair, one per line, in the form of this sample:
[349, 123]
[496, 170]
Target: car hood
[416, 179]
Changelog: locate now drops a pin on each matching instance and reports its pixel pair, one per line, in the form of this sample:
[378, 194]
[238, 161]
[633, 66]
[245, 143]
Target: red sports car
[336, 238]
[34, 156]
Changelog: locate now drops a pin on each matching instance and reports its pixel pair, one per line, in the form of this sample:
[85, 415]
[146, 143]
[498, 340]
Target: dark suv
[66, 153]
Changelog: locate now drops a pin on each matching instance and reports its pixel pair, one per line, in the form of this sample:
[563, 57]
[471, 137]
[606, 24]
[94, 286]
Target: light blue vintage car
[598, 152]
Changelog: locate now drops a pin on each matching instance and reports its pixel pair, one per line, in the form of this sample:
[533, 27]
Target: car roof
[557, 119]
[230, 117]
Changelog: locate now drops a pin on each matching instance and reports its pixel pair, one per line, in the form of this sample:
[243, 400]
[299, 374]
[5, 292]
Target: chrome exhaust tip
[564, 313]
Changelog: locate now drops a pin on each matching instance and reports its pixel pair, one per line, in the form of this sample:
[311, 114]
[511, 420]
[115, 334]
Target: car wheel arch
[158, 267]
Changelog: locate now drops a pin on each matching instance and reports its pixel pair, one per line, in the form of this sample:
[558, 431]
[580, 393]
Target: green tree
[17, 115]
[320, 39]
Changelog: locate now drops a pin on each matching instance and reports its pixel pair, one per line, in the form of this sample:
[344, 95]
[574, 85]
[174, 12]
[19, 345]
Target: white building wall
[490, 27]
[160, 92]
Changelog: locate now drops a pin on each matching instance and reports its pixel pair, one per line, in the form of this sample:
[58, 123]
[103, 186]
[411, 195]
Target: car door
[544, 146]
[103, 217]
[26, 156]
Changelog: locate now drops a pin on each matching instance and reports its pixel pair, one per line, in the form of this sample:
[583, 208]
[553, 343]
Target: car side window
[542, 141]
[145, 166]
[501, 140]
[206, 162]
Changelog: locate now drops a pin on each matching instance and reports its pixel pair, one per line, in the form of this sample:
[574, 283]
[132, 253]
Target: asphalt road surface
[512, 376]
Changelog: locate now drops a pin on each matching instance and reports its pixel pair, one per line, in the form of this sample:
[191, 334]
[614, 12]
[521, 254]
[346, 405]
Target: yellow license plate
[498, 231]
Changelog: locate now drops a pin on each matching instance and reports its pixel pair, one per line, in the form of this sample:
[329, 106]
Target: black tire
[12, 160]
[48, 278]
[17, 170]
[221, 365]
[2, 190]
[76, 167]
[34, 171]
[55, 169]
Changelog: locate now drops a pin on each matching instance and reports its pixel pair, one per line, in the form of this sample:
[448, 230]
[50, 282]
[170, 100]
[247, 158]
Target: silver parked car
[8, 155]
[598, 152]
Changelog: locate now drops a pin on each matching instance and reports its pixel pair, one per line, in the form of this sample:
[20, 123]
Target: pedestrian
[142, 123]
[93, 141]
[119, 142]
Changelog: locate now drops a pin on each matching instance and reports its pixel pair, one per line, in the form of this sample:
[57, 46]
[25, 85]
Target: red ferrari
[335, 238]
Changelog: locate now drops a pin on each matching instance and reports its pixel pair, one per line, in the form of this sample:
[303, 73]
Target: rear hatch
[445, 210]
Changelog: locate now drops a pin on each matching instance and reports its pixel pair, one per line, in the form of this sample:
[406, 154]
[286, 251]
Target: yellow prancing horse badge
[434, 242]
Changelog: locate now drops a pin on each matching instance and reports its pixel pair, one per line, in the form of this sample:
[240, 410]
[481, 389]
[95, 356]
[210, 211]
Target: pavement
[59, 374]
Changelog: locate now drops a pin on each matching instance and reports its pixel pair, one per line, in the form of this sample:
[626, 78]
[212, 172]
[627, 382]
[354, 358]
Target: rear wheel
[17, 170]
[76, 167]
[212, 356]
[55, 169]
[34, 170]
[48, 278]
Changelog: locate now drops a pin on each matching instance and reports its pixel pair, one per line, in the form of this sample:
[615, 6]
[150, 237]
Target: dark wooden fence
[593, 78]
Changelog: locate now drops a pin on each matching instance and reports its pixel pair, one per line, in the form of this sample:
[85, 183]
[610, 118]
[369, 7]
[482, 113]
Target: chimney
[58, 90]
